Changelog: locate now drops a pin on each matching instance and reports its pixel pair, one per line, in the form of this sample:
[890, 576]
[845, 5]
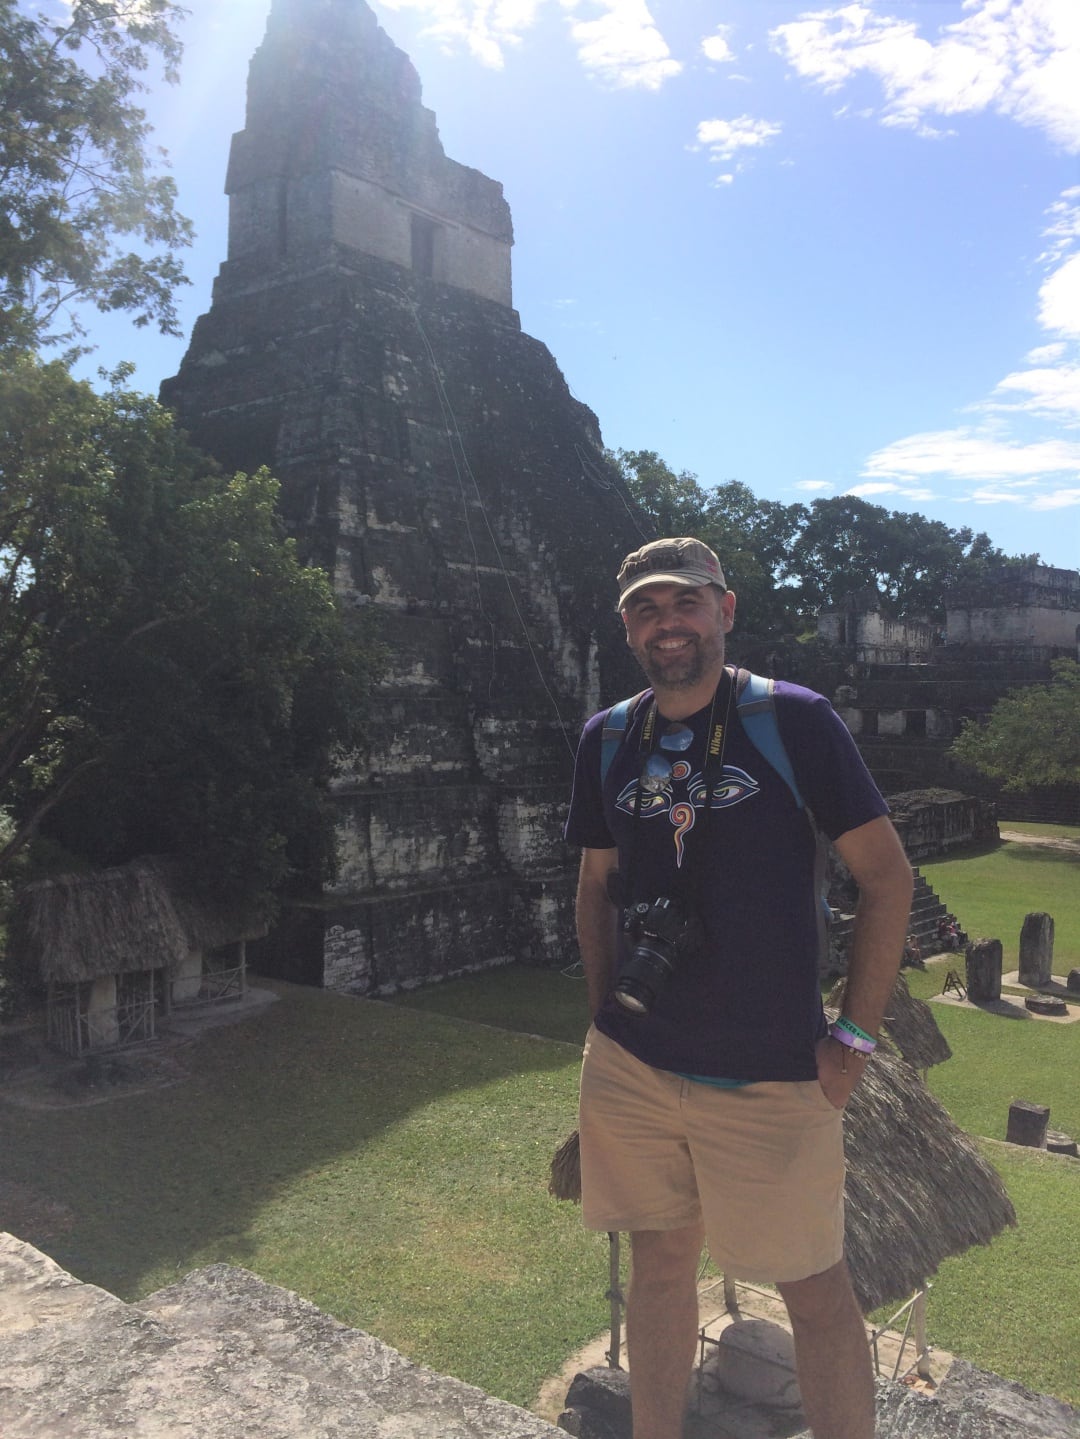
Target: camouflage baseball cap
[683, 561]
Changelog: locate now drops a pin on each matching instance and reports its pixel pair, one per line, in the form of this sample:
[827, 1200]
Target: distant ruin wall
[935, 821]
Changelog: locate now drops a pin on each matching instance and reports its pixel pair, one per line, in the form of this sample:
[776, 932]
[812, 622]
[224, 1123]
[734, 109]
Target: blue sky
[819, 249]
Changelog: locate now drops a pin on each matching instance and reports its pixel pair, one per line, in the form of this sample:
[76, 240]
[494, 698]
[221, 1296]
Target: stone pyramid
[361, 342]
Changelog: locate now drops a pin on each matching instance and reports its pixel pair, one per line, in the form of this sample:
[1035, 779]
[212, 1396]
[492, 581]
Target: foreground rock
[221, 1355]
[968, 1404]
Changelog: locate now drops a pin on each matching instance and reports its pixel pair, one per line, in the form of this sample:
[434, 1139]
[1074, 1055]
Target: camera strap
[716, 734]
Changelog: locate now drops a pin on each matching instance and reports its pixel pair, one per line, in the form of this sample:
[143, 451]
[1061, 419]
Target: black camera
[661, 934]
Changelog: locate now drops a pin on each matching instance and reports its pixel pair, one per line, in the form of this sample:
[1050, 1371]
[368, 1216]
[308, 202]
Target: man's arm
[874, 855]
[597, 919]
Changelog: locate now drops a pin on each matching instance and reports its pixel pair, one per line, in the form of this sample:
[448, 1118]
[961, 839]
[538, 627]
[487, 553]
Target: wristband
[860, 1042]
[852, 1028]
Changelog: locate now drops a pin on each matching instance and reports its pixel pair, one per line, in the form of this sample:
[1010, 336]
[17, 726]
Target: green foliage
[172, 679]
[786, 562]
[847, 544]
[1032, 738]
[750, 535]
[76, 183]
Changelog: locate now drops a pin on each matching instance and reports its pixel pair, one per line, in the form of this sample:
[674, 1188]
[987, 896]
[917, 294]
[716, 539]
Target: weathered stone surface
[969, 1404]
[1072, 983]
[219, 1355]
[755, 1360]
[222, 1354]
[1027, 1124]
[1045, 1004]
[1037, 949]
[1058, 1143]
[362, 343]
[982, 962]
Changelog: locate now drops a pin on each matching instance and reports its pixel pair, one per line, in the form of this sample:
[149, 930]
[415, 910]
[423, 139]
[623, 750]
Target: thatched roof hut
[917, 1188]
[130, 919]
[909, 1023]
[78, 927]
[207, 924]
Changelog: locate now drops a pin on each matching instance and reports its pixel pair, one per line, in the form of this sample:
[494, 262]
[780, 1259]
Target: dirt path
[1066, 846]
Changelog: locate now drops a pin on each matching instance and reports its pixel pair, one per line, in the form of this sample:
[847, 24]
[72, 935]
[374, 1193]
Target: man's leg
[661, 1327]
[836, 1378]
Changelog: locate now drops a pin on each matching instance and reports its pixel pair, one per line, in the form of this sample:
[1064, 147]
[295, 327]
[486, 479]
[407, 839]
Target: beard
[682, 669]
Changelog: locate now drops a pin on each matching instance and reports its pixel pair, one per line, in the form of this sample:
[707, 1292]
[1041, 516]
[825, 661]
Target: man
[711, 1092]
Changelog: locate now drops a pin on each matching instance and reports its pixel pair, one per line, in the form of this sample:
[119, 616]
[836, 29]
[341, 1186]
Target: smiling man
[712, 1091]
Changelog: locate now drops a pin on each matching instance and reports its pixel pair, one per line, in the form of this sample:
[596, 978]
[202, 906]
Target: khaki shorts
[762, 1165]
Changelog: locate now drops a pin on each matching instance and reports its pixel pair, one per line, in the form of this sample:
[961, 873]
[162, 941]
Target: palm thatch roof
[208, 923]
[77, 927]
[917, 1189]
[909, 1023]
[135, 917]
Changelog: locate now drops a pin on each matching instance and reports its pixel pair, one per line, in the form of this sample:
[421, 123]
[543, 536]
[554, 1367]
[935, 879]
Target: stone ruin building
[361, 341]
[904, 688]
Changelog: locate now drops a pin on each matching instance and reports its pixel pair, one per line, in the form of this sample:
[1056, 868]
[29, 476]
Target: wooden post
[922, 1349]
[616, 1298]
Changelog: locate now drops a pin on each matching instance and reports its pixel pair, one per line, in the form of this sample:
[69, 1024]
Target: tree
[751, 536]
[75, 174]
[847, 544]
[172, 679]
[1032, 738]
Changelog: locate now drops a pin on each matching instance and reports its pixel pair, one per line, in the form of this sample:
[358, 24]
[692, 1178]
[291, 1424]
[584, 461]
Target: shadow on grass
[308, 1089]
[1041, 854]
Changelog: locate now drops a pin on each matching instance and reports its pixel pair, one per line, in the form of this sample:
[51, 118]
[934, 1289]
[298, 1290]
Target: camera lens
[644, 974]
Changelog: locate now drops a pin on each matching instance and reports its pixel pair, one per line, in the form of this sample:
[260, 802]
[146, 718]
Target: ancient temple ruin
[906, 688]
[361, 342]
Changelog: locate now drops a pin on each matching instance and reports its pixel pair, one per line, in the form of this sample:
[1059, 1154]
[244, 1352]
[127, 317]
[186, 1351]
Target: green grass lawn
[991, 892]
[390, 1163]
[391, 1166]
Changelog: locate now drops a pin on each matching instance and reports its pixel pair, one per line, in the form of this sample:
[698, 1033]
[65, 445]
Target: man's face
[677, 633]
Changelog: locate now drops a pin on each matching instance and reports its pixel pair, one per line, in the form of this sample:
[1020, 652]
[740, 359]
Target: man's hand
[833, 1059]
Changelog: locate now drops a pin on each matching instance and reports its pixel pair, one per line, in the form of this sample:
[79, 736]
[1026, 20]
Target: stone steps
[220, 1355]
[926, 910]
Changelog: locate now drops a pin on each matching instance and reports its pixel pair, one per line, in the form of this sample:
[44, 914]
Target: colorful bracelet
[852, 1037]
[852, 1028]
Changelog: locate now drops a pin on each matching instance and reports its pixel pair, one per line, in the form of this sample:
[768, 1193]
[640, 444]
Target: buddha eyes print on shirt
[683, 797]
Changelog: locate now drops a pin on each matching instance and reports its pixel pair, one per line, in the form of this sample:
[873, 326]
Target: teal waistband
[716, 1083]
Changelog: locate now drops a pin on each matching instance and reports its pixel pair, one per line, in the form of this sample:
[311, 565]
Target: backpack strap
[616, 722]
[757, 711]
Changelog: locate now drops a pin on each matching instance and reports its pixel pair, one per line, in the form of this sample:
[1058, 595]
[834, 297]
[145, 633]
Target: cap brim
[683, 578]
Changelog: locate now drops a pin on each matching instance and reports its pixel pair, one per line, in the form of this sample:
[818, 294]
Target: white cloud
[875, 488]
[617, 40]
[1057, 500]
[715, 47]
[1001, 471]
[1059, 299]
[813, 486]
[622, 45]
[1018, 57]
[1051, 392]
[725, 138]
[484, 27]
[1045, 354]
[966, 454]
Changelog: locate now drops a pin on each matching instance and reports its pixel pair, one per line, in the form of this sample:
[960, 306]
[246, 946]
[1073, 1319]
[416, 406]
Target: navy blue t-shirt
[747, 1006]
